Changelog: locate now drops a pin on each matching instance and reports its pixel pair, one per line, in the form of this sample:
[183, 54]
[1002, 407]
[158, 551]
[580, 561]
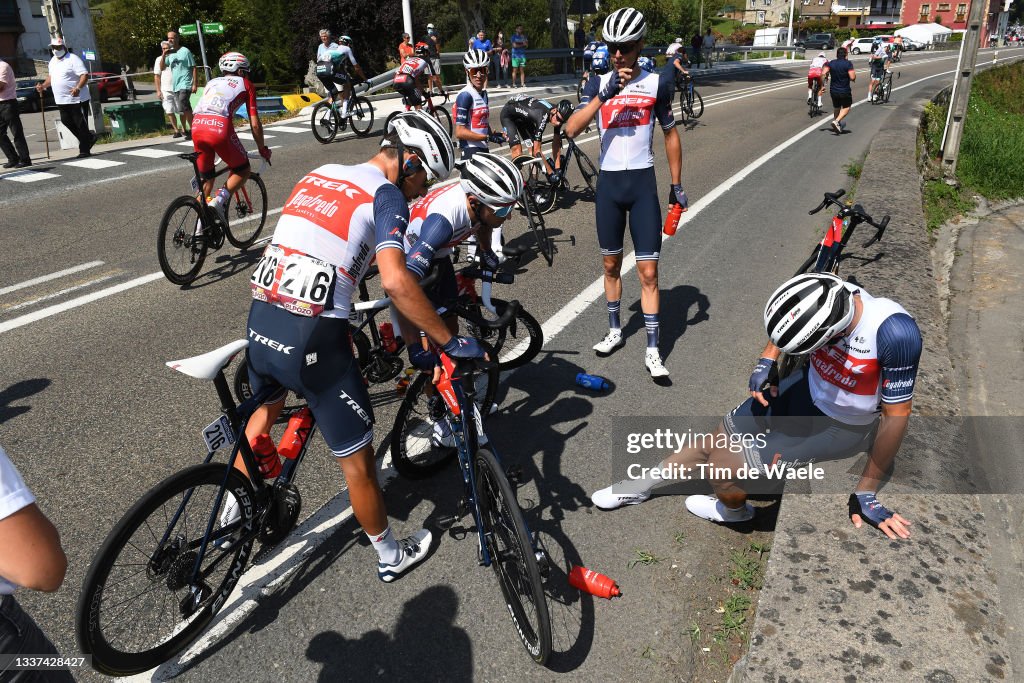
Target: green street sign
[213, 28]
[188, 30]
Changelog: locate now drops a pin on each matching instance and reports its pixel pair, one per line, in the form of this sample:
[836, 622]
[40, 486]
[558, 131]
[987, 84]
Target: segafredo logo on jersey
[898, 384]
[327, 202]
[626, 111]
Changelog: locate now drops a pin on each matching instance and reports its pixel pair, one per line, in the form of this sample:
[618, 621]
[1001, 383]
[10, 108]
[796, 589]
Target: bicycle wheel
[444, 118]
[361, 116]
[413, 452]
[138, 607]
[541, 193]
[587, 169]
[515, 345]
[887, 90]
[512, 556]
[540, 230]
[180, 250]
[324, 122]
[696, 105]
[250, 213]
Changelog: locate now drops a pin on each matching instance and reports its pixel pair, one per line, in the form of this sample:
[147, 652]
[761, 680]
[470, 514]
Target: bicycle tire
[587, 169]
[524, 328]
[697, 105]
[96, 635]
[539, 228]
[542, 194]
[444, 118]
[887, 91]
[324, 122]
[412, 454]
[179, 249]
[361, 113]
[248, 200]
[506, 534]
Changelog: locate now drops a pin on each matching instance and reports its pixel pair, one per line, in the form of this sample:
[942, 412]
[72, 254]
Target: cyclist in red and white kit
[411, 76]
[628, 102]
[213, 130]
[854, 395]
[814, 75]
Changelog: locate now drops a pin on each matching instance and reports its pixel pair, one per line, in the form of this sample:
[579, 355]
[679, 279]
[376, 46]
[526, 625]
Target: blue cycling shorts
[632, 192]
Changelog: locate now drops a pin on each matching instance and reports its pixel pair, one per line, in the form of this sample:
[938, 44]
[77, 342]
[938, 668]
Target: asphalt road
[93, 418]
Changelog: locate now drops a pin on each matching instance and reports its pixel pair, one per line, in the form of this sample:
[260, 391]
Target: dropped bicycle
[327, 120]
[170, 563]
[190, 227]
[536, 190]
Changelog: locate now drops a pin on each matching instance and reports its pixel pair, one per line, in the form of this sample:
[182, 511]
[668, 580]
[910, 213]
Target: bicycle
[170, 563]
[883, 89]
[814, 109]
[327, 120]
[190, 227]
[691, 104]
[504, 540]
[587, 170]
[537, 193]
[438, 112]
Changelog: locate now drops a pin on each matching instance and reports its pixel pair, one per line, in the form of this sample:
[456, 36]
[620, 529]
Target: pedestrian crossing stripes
[287, 129]
[93, 163]
[30, 176]
[151, 152]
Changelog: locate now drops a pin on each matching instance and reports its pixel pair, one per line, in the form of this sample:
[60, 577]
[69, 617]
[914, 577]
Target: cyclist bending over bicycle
[213, 130]
[333, 224]
[676, 54]
[332, 68]
[411, 76]
[526, 118]
[814, 75]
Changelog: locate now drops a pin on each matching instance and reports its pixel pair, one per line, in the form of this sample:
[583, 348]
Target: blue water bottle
[591, 382]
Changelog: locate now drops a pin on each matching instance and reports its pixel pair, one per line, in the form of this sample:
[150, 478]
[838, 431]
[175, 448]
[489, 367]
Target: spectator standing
[501, 61]
[326, 47]
[519, 45]
[434, 43]
[709, 47]
[10, 118]
[183, 74]
[841, 75]
[579, 39]
[30, 557]
[68, 76]
[696, 43]
[405, 48]
[164, 82]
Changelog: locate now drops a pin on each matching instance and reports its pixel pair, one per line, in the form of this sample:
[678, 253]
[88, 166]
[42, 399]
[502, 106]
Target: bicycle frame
[829, 251]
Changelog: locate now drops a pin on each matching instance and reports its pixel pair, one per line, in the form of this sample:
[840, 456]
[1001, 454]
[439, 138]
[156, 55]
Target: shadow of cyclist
[675, 316]
[17, 392]
[228, 263]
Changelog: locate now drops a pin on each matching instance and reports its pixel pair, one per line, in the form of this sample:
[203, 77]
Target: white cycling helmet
[624, 25]
[233, 62]
[421, 133]
[492, 179]
[807, 311]
[673, 48]
[474, 59]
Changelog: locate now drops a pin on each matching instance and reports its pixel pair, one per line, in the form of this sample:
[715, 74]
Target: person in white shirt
[709, 48]
[30, 557]
[68, 76]
[164, 81]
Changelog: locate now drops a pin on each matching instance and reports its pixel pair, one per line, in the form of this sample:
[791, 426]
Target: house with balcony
[952, 15]
[25, 35]
[766, 12]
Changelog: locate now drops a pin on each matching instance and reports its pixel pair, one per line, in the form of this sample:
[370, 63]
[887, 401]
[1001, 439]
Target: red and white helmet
[233, 62]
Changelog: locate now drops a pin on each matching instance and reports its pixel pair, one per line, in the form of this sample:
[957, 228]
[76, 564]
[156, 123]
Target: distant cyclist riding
[332, 68]
[411, 76]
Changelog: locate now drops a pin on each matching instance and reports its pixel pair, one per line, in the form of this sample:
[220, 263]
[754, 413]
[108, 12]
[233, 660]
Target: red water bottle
[589, 581]
[387, 337]
[675, 213]
[296, 433]
[266, 456]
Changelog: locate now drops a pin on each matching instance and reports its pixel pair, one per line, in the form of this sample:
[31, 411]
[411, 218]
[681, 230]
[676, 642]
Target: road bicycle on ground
[504, 541]
[327, 120]
[190, 227]
[536, 193]
[438, 111]
[690, 102]
[170, 563]
[813, 108]
[883, 89]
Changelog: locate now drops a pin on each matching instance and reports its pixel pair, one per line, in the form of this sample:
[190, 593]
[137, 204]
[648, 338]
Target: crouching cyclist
[336, 221]
[855, 395]
[526, 118]
[213, 130]
[411, 76]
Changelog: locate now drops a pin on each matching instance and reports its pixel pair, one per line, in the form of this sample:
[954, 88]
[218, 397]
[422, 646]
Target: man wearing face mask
[68, 77]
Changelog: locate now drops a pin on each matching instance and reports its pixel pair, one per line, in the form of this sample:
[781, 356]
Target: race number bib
[293, 281]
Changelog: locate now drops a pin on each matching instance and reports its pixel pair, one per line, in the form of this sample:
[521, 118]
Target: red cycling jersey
[213, 134]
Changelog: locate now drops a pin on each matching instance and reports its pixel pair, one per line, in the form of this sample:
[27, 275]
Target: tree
[375, 26]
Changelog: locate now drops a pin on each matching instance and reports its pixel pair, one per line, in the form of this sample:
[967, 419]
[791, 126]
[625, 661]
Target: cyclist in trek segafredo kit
[628, 102]
[336, 221]
[855, 395]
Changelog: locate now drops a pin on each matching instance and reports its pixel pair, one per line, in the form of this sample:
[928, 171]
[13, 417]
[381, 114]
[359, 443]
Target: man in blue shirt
[519, 45]
[481, 43]
[841, 75]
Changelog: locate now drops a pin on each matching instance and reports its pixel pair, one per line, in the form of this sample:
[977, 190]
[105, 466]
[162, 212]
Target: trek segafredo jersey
[437, 223]
[626, 121]
[876, 363]
[473, 110]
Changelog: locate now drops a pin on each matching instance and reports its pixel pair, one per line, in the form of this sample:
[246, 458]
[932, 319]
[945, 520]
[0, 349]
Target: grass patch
[854, 168]
[644, 557]
[943, 203]
[734, 617]
[748, 566]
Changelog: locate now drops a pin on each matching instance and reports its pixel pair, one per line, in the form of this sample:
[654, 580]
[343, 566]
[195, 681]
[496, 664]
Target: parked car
[909, 44]
[28, 98]
[862, 45]
[109, 85]
[816, 41]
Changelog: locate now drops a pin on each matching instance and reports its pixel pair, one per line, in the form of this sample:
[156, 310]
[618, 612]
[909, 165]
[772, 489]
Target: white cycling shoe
[228, 516]
[617, 495]
[713, 510]
[654, 365]
[611, 341]
[414, 550]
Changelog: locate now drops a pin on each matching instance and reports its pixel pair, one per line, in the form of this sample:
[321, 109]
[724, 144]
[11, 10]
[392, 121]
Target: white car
[862, 45]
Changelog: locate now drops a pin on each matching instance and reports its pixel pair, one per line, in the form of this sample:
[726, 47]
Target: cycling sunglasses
[476, 71]
[414, 167]
[624, 48]
[501, 211]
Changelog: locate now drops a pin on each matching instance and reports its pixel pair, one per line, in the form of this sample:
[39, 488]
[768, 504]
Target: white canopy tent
[925, 33]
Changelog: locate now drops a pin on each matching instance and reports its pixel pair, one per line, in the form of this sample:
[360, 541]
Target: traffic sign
[89, 55]
[188, 30]
[214, 28]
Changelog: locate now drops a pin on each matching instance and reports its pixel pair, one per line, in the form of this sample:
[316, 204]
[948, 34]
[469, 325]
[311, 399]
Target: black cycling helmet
[565, 109]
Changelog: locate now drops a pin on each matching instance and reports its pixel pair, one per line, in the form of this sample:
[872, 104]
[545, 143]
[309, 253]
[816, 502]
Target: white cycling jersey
[448, 202]
[224, 95]
[473, 110]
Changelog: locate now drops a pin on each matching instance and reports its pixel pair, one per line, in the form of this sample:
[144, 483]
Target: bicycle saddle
[207, 365]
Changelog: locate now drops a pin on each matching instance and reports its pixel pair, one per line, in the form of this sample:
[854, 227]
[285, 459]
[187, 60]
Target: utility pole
[789, 31]
[407, 19]
[957, 114]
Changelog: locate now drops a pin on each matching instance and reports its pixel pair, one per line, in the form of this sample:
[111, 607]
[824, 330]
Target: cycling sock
[386, 546]
[653, 327]
[613, 315]
[496, 240]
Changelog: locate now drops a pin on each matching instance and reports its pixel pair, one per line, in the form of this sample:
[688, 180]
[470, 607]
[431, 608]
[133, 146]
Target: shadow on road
[17, 392]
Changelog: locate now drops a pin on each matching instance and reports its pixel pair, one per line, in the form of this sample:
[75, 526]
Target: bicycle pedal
[448, 521]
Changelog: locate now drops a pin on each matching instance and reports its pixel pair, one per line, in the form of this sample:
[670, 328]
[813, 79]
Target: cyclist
[856, 391]
[879, 62]
[627, 102]
[472, 107]
[676, 57]
[411, 76]
[475, 206]
[213, 130]
[526, 118]
[814, 75]
[336, 221]
[332, 69]
[588, 56]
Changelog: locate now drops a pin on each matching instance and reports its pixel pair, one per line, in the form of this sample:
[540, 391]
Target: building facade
[25, 35]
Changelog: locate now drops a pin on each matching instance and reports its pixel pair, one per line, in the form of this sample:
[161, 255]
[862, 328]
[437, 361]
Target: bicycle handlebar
[856, 211]
[488, 275]
[830, 198]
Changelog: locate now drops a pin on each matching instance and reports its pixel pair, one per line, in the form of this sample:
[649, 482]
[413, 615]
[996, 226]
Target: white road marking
[54, 295]
[152, 152]
[287, 129]
[29, 176]
[248, 136]
[93, 163]
[51, 276]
